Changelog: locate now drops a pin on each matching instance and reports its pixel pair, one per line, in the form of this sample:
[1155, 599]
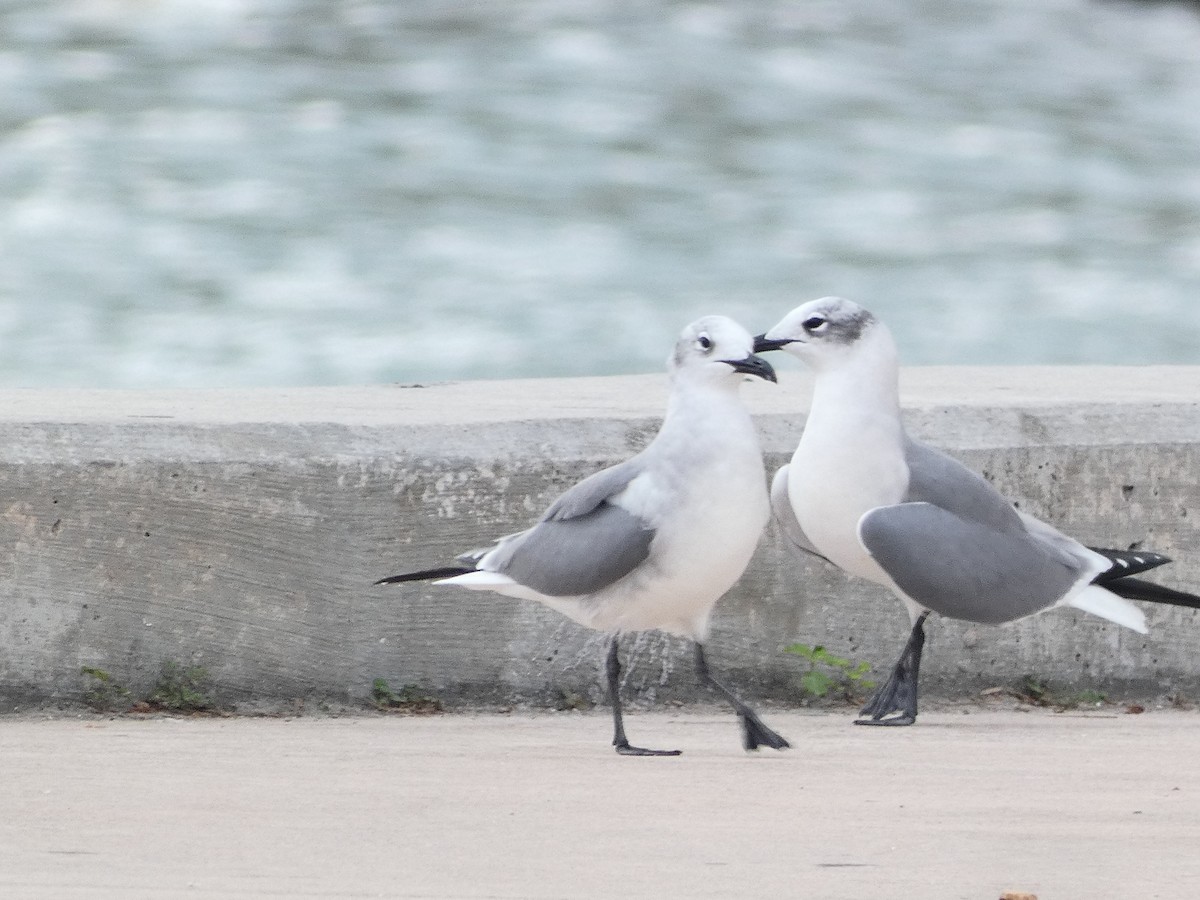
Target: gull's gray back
[940, 479]
[582, 498]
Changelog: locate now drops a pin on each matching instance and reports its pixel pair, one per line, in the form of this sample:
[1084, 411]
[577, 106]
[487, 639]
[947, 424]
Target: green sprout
[828, 673]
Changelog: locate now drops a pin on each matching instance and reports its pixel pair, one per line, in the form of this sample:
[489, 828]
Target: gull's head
[823, 331]
[717, 349]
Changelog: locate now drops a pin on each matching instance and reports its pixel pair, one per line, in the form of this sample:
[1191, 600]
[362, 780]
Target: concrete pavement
[964, 806]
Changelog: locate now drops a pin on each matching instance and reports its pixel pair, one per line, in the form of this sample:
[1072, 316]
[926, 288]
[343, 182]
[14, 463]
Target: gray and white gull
[655, 541]
[865, 496]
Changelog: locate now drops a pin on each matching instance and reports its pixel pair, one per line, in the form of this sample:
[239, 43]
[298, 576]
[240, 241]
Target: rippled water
[242, 192]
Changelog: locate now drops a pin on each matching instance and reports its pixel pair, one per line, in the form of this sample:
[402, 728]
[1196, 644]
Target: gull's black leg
[899, 693]
[754, 733]
[612, 667]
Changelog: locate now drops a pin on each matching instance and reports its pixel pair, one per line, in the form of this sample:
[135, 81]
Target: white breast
[838, 474]
[702, 548]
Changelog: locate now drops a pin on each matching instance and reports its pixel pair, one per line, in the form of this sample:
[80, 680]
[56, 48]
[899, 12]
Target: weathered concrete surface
[962, 807]
[241, 531]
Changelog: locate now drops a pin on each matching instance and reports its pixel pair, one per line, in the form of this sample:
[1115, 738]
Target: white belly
[698, 556]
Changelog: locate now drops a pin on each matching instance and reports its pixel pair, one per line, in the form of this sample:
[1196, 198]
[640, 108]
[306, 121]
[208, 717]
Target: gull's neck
[704, 397]
[851, 456]
[859, 397]
[707, 413]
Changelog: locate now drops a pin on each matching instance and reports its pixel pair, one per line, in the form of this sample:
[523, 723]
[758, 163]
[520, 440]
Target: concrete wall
[241, 531]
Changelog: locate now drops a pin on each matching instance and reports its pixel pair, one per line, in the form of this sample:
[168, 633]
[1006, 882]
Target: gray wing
[785, 516]
[583, 543]
[943, 481]
[965, 569]
[940, 479]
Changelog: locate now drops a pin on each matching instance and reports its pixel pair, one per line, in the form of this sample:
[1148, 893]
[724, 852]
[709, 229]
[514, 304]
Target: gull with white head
[876, 503]
[655, 541]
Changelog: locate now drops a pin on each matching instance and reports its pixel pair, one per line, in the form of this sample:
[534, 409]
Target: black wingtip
[1124, 563]
[426, 575]
[1137, 589]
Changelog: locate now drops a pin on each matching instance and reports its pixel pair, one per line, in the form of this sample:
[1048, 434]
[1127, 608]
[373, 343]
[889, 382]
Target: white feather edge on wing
[1084, 595]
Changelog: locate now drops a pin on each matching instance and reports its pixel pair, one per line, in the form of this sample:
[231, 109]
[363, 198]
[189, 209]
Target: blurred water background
[289, 192]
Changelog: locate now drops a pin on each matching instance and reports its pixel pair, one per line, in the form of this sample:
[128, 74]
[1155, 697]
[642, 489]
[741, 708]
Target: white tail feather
[1107, 605]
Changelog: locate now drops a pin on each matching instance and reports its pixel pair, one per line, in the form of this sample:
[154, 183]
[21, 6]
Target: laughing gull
[863, 495]
[655, 541]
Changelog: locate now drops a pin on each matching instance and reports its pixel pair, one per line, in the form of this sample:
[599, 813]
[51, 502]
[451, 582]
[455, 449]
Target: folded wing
[964, 569]
[583, 543]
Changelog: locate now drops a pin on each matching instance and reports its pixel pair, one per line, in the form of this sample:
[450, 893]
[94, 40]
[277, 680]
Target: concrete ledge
[241, 531]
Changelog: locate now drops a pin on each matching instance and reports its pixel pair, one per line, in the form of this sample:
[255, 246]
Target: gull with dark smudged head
[863, 495]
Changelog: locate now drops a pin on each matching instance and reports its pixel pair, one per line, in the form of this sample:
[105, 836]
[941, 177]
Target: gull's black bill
[763, 345]
[753, 365]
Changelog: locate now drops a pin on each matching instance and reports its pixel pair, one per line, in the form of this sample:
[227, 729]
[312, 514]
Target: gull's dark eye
[704, 342]
[814, 322]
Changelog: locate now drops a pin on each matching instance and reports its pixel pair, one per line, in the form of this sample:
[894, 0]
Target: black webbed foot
[899, 693]
[625, 749]
[754, 733]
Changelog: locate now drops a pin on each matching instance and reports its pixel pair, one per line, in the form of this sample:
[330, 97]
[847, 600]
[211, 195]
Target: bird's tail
[427, 574]
[1126, 563]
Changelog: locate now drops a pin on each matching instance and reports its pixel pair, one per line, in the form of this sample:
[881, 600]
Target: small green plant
[102, 693]
[827, 673]
[409, 700]
[181, 689]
